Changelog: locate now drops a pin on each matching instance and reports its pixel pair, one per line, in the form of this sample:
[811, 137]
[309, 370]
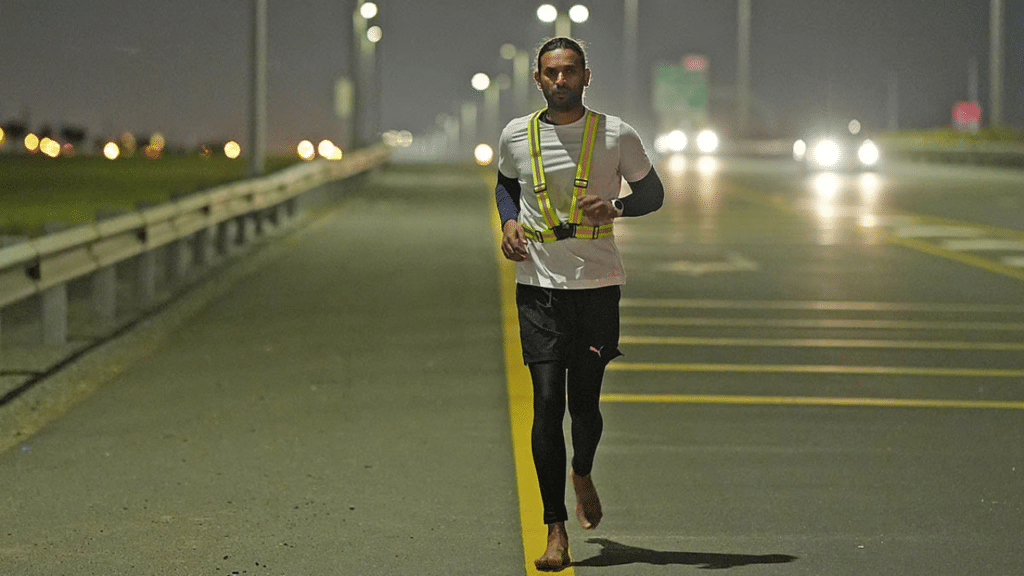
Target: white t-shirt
[573, 263]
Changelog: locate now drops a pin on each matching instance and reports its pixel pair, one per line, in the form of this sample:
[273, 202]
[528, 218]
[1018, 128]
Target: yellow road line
[520, 410]
[815, 369]
[810, 401]
[825, 305]
[823, 323]
[820, 343]
[962, 257]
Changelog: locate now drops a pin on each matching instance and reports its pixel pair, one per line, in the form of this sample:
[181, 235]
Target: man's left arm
[648, 194]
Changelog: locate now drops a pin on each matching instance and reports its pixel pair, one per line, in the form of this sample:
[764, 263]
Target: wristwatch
[617, 204]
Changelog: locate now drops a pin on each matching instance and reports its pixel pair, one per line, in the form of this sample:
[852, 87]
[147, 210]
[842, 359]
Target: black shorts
[557, 324]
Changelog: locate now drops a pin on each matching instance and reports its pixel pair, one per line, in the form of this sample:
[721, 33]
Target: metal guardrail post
[175, 265]
[104, 294]
[55, 315]
[145, 278]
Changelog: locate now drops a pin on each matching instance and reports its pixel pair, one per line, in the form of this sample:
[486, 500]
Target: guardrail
[192, 231]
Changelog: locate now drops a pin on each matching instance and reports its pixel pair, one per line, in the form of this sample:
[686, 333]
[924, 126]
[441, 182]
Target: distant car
[837, 150]
[676, 141]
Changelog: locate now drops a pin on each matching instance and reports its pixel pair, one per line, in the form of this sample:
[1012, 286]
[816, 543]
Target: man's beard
[564, 102]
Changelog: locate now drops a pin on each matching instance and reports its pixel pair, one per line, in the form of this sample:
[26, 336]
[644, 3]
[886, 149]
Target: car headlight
[674, 141]
[826, 153]
[799, 150]
[707, 141]
[868, 153]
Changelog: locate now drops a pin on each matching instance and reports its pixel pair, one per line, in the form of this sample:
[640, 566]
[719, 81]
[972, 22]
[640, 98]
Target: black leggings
[580, 380]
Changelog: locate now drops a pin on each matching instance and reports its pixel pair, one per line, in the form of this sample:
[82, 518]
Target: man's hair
[562, 42]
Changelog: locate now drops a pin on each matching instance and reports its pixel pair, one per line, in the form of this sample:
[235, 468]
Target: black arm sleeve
[507, 193]
[648, 195]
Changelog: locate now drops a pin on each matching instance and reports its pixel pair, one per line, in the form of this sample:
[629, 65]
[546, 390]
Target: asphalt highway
[823, 375]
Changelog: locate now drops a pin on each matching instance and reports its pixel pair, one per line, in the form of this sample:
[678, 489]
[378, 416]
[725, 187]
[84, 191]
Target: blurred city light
[325, 148]
[68, 150]
[480, 81]
[329, 150]
[3, 137]
[547, 13]
[368, 10]
[31, 142]
[579, 13]
[799, 150]
[111, 151]
[826, 153]
[674, 141]
[49, 147]
[374, 34]
[854, 127]
[155, 147]
[508, 51]
[868, 153]
[483, 154]
[398, 138]
[232, 149]
[306, 150]
[707, 141]
[128, 144]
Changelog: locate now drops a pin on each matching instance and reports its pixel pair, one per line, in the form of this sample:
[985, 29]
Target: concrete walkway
[339, 410]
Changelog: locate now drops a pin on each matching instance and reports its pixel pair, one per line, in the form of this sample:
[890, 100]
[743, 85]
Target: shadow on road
[615, 554]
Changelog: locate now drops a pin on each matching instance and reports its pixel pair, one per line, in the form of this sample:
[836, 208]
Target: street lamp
[547, 13]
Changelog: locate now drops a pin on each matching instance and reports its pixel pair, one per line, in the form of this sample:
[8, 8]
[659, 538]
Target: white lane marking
[731, 262]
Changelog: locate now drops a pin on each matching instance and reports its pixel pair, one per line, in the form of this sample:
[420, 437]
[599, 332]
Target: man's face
[562, 79]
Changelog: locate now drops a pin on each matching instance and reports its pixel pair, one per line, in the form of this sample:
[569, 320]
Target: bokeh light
[128, 144]
[232, 149]
[3, 136]
[368, 10]
[49, 147]
[306, 150]
[31, 142]
[374, 34]
[480, 81]
[111, 150]
[579, 13]
[483, 154]
[547, 13]
[398, 138]
[325, 148]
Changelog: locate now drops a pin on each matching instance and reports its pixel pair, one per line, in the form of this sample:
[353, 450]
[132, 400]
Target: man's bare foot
[588, 505]
[556, 557]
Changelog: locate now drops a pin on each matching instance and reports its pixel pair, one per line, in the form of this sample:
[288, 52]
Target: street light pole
[995, 67]
[630, 34]
[362, 61]
[743, 66]
[258, 105]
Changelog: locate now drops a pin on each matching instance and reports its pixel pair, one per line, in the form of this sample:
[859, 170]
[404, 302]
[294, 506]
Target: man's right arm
[507, 194]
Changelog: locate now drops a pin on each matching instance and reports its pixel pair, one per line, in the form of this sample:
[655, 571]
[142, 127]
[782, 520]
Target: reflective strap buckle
[540, 188]
[563, 231]
[581, 182]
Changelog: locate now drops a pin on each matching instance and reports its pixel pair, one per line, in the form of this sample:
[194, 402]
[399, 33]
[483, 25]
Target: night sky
[182, 67]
